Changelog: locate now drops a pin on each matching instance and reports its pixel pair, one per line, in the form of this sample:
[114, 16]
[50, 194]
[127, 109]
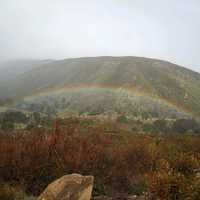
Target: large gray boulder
[69, 187]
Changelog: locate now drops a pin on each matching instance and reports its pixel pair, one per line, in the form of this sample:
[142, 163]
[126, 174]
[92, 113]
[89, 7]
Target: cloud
[59, 29]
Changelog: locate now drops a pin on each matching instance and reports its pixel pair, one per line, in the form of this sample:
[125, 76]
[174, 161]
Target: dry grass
[160, 166]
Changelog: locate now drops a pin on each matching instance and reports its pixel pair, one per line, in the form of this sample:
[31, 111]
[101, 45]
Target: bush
[9, 192]
[122, 119]
[164, 165]
[167, 185]
[184, 125]
[7, 126]
[161, 125]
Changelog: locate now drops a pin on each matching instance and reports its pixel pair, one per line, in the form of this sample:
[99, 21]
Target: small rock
[69, 187]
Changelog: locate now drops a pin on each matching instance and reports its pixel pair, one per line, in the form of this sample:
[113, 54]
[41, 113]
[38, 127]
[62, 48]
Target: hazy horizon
[165, 30]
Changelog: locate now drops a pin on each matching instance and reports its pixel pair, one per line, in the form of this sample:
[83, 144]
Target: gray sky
[56, 29]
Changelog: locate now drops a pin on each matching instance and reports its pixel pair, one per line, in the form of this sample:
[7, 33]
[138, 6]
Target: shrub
[167, 185]
[122, 119]
[184, 125]
[161, 125]
[163, 165]
[9, 192]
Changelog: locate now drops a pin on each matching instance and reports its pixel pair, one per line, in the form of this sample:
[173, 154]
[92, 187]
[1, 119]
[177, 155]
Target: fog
[57, 29]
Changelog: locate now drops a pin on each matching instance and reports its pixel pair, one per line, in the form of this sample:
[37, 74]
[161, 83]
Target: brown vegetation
[162, 167]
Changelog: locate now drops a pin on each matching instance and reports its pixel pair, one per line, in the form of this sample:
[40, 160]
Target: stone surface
[69, 187]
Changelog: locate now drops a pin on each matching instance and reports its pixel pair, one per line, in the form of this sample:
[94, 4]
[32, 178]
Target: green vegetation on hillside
[156, 78]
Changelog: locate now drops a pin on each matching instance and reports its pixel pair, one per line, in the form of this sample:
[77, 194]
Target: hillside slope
[158, 79]
[10, 70]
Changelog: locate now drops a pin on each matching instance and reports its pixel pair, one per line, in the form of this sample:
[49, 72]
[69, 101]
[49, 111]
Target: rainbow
[134, 91]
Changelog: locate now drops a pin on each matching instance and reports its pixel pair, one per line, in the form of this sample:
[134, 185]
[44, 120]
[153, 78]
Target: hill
[131, 82]
[10, 70]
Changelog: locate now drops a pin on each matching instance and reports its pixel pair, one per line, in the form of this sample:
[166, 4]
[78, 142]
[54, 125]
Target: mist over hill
[11, 69]
[165, 86]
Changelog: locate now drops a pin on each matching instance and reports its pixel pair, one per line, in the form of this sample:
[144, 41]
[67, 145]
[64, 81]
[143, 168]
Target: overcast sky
[56, 29]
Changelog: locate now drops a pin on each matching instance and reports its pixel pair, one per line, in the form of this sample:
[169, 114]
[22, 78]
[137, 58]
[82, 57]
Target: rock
[69, 187]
